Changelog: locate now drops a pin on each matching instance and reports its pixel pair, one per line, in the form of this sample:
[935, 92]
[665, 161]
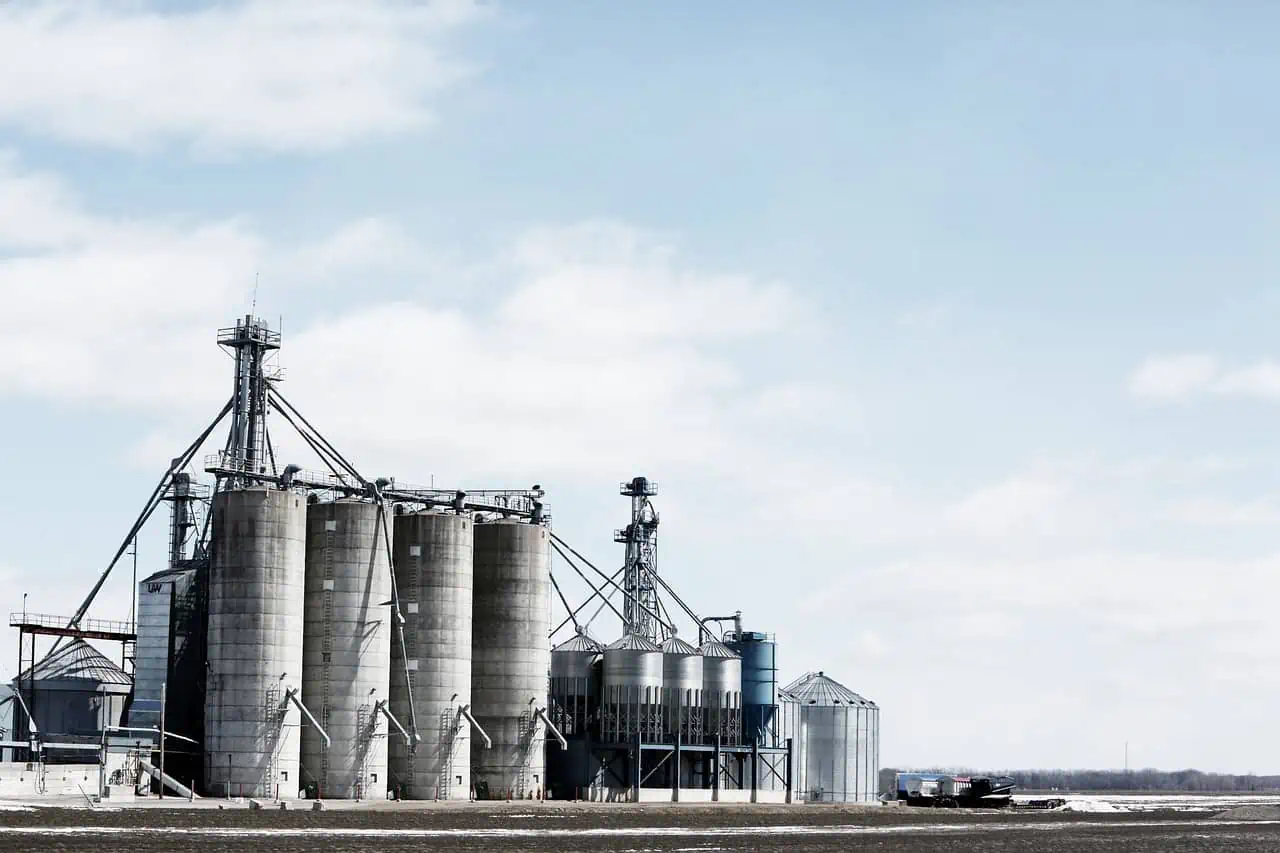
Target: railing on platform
[35, 621]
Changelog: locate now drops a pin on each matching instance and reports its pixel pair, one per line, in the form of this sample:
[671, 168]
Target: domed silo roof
[632, 643]
[579, 643]
[673, 645]
[817, 688]
[717, 649]
[75, 666]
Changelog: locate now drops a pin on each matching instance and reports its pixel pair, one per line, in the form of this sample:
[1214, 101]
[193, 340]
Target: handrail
[46, 620]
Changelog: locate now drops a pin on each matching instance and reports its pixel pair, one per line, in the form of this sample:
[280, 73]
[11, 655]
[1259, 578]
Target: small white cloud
[1260, 380]
[1216, 512]
[1025, 505]
[1173, 377]
[370, 243]
[277, 75]
[1180, 377]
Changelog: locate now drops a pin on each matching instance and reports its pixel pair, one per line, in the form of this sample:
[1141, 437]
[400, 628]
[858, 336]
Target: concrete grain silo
[346, 650]
[511, 657]
[433, 567]
[256, 591]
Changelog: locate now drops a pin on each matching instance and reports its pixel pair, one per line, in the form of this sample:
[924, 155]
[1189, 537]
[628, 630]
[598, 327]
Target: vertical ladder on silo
[273, 716]
[447, 739]
[367, 726]
[326, 644]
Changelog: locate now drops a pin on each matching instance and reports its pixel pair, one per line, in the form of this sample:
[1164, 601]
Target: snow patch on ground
[1092, 807]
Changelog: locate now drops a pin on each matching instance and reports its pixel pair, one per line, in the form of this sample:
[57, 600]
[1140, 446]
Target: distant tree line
[1147, 779]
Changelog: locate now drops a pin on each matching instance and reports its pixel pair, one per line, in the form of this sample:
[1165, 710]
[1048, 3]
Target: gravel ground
[624, 829]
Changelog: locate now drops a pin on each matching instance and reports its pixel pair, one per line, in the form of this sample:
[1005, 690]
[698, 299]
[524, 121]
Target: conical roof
[80, 661]
[676, 646]
[579, 643]
[716, 649]
[816, 688]
[632, 643]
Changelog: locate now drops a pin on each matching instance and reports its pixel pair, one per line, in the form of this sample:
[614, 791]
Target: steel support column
[715, 772]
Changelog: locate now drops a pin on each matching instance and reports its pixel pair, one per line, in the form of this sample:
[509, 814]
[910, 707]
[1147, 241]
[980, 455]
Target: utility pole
[163, 689]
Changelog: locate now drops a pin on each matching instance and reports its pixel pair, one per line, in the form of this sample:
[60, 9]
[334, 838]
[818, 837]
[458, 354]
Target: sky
[946, 330]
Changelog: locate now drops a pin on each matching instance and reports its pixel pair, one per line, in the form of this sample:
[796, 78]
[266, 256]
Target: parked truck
[940, 790]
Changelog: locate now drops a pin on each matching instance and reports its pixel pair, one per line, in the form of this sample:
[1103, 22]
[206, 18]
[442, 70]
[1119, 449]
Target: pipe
[386, 712]
[541, 714]
[165, 779]
[594, 594]
[291, 695]
[397, 617]
[736, 619]
[152, 502]
[31, 721]
[657, 617]
[465, 710]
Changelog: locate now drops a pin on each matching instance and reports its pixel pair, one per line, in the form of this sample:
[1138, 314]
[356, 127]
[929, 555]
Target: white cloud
[279, 75]
[1260, 380]
[1179, 377]
[598, 346]
[1219, 512]
[1173, 377]
[1019, 506]
[369, 244]
[95, 308]
[602, 347]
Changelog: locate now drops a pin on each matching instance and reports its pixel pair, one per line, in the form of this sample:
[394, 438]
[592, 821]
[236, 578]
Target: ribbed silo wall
[433, 566]
[511, 657]
[346, 654]
[256, 588]
[574, 691]
[632, 692]
[721, 693]
[836, 752]
[682, 679]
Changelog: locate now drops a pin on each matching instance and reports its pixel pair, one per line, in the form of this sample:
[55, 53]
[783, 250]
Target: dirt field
[570, 829]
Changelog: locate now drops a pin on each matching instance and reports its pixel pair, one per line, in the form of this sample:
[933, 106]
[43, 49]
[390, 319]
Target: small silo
[574, 690]
[759, 684]
[256, 590]
[511, 656]
[433, 566]
[346, 655]
[835, 741]
[631, 704]
[721, 692]
[77, 692]
[682, 691]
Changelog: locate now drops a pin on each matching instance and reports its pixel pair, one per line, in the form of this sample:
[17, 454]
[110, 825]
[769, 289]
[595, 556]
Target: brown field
[567, 828]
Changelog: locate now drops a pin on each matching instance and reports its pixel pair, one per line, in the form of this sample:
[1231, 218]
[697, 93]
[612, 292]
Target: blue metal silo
[759, 683]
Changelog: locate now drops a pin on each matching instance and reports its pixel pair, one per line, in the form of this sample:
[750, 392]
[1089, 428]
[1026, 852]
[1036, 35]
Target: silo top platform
[60, 626]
